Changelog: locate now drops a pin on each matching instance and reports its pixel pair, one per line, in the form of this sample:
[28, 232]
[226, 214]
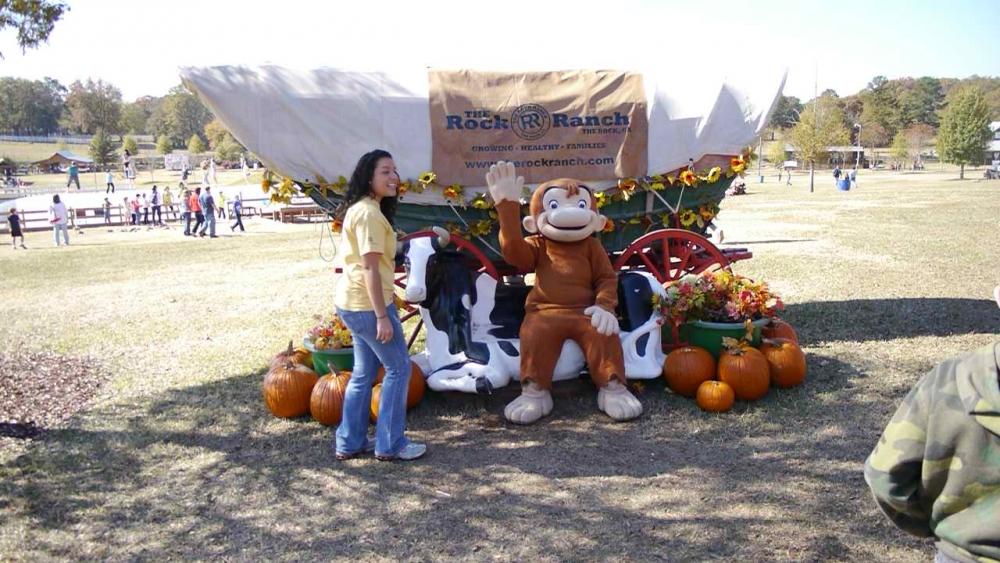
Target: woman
[364, 299]
[59, 218]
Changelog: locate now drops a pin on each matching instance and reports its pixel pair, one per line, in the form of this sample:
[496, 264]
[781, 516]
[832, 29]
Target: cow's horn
[444, 237]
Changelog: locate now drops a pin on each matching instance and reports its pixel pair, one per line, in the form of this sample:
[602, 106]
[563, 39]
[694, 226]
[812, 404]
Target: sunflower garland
[282, 189]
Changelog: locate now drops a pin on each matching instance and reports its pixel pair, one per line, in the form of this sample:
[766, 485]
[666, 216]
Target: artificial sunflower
[601, 198]
[480, 202]
[713, 175]
[481, 228]
[453, 192]
[403, 187]
[689, 178]
[336, 225]
[609, 226]
[427, 178]
[737, 164]
[687, 217]
[706, 212]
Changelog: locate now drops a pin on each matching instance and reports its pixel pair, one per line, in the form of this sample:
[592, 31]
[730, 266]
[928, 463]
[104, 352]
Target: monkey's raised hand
[503, 182]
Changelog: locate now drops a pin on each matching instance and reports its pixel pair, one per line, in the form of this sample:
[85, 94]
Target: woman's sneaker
[369, 448]
[410, 452]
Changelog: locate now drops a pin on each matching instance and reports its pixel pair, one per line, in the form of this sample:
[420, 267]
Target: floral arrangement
[720, 296]
[330, 334]
[282, 189]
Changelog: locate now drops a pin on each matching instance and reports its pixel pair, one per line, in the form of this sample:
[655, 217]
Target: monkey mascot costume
[575, 292]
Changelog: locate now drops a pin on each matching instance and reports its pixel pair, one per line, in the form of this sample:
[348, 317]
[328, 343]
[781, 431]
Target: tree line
[906, 114]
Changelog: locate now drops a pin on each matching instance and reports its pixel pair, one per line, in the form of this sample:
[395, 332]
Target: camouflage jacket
[936, 469]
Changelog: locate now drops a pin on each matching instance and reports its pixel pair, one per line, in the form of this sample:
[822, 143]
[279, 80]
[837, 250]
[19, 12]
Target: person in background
[145, 210]
[15, 228]
[935, 472]
[168, 202]
[109, 178]
[126, 210]
[107, 211]
[74, 175]
[135, 211]
[186, 210]
[155, 203]
[854, 177]
[836, 175]
[127, 169]
[208, 209]
[788, 177]
[222, 205]
[195, 202]
[59, 218]
[238, 214]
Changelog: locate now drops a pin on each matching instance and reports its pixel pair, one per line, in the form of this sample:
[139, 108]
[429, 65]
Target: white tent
[310, 123]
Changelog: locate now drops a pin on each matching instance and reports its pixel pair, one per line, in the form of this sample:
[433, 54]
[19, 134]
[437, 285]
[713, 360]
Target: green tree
[163, 145]
[786, 113]
[920, 102]
[215, 132]
[776, 153]
[30, 107]
[196, 145]
[900, 149]
[229, 148]
[965, 129]
[880, 106]
[103, 149]
[92, 106]
[179, 116]
[33, 19]
[130, 144]
[820, 126]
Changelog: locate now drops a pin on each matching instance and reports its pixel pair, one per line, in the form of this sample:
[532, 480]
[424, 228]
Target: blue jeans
[368, 354]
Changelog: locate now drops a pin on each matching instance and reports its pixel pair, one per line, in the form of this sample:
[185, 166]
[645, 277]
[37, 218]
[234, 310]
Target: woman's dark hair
[361, 186]
[55, 198]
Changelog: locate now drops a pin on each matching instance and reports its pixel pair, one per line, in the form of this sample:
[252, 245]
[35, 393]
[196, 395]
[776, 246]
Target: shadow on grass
[859, 320]
[205, 472]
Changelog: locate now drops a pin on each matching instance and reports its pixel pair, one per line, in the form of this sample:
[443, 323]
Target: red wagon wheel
[669, 254]
[478, 260]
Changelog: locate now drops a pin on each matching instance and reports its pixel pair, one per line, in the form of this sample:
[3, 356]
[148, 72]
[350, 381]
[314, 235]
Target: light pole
[857, 162]
[760, 157]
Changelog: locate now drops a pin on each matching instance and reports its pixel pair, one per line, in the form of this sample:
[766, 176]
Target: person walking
[168, 203]
[836, 176]
[107, 211]
[186, 213]
[854, 177]
[128, 170]
[238, 214]
[195, 203]
[59, 218]
[222, 205]
[208, 209]
[364, 300]
[74, 175]
[145, 210]
[109, 178]
[15, 228]
[136, 216]
[155, 203]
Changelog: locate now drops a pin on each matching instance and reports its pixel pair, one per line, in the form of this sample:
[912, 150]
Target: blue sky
[138, 44]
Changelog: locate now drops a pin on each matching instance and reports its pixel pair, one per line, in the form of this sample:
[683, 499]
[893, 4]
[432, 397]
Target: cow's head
[419, 256]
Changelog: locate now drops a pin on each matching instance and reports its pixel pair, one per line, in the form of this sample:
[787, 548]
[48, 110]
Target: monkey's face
[565, 214]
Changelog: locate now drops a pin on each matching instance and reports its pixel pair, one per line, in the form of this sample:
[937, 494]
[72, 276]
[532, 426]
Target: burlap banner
[589, 125]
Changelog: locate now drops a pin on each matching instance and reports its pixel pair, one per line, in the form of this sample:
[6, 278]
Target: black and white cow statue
[472, 322]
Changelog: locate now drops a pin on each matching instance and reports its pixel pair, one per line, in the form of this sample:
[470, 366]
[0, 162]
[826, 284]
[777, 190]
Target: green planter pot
[709, 335]
[323, 360]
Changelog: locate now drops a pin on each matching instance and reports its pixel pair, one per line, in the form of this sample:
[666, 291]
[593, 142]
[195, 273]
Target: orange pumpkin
[288, 388]
[417, 385]
[327, 400]
[688, 367]
[295, 355]
[746, 370]
[715, 396]
[786, 360]
[373, 408]
[777, 328]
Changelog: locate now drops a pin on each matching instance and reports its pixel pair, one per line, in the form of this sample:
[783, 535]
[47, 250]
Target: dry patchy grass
[178, 458]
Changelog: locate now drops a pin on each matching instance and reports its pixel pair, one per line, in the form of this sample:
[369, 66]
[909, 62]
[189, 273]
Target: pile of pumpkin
[292, 388]
[742, 372]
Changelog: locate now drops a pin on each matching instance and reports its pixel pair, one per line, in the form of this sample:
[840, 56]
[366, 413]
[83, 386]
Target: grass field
[178, 458]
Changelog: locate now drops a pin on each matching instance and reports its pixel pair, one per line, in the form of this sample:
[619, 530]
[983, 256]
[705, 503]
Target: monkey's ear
[529, 224]
[598, 222]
